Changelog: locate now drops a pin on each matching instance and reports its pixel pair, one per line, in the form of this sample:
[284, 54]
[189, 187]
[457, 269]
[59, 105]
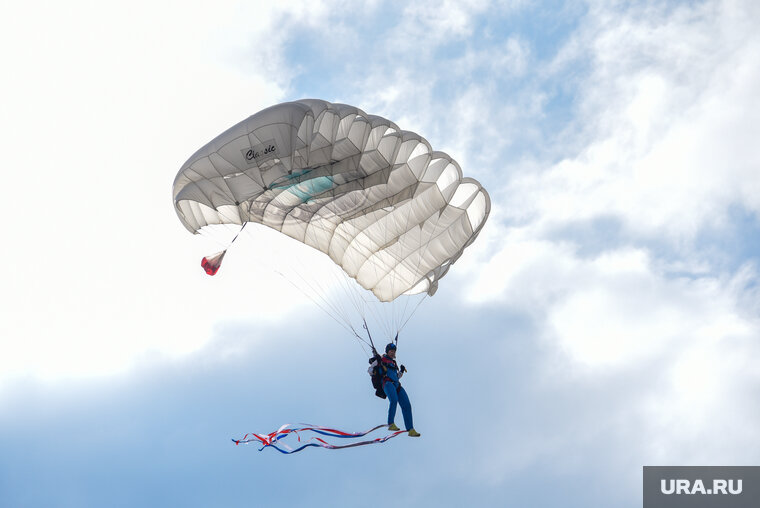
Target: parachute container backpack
[389, 211]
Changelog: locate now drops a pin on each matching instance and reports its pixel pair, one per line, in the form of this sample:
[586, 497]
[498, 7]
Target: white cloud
[431, 23]
[101, 106]
[612, 310]
[664, 159]
[432, 49]
[668, 111]
[648, 355]
[627, 314]
[635, 369]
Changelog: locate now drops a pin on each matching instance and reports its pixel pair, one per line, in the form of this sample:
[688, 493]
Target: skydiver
[394, 391]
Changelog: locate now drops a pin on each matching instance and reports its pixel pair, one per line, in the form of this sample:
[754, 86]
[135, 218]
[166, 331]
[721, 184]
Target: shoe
[392, 426]
[414, 433]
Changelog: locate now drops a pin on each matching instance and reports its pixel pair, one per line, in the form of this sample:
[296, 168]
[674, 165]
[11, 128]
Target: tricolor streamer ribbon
[272, 439]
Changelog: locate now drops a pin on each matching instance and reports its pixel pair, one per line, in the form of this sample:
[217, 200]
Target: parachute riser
[374, 350]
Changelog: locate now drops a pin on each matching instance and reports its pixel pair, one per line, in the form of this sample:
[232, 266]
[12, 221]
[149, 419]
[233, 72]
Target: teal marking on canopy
[307, 189]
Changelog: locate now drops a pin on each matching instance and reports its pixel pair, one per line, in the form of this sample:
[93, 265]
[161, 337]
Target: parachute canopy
[385, 207]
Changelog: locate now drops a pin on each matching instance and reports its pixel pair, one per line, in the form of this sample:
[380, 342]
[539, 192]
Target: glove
[403, 369]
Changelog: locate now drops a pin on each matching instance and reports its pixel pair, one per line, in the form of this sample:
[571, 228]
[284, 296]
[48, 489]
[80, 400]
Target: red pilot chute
[212, 263]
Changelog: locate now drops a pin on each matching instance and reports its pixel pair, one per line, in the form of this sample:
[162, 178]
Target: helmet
[390, 346]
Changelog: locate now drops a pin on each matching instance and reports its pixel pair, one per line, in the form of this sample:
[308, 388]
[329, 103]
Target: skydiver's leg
[390, 392]
[406, 408]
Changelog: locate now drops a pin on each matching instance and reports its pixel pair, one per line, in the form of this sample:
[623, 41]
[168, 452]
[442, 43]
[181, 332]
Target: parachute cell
[385, 207]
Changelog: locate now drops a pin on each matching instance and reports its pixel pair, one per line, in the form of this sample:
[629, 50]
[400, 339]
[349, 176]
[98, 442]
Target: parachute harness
[272, 440]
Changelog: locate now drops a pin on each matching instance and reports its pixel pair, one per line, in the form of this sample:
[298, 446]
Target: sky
[607, 317]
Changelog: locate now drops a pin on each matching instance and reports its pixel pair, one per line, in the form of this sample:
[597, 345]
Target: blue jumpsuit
[395, 392]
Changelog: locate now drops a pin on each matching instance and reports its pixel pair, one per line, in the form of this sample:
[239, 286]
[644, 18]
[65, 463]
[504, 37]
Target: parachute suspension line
[394, 272]
[412, 314]
[342, 323]
[397, 320]
[341, 276]
[362, 344]
[356, 295]
[350, 288]
[320, 293]
[370, 304]
[388, 316]
[337, 314]
[394, 319]
[335, 308]
[419, 262]
[221, 244]
[313, 284]
[329, 309]
[317, 293]
[311, 226]
[398, 312]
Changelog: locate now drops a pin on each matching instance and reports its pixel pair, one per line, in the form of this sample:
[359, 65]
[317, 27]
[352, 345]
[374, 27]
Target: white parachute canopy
[392, 213]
